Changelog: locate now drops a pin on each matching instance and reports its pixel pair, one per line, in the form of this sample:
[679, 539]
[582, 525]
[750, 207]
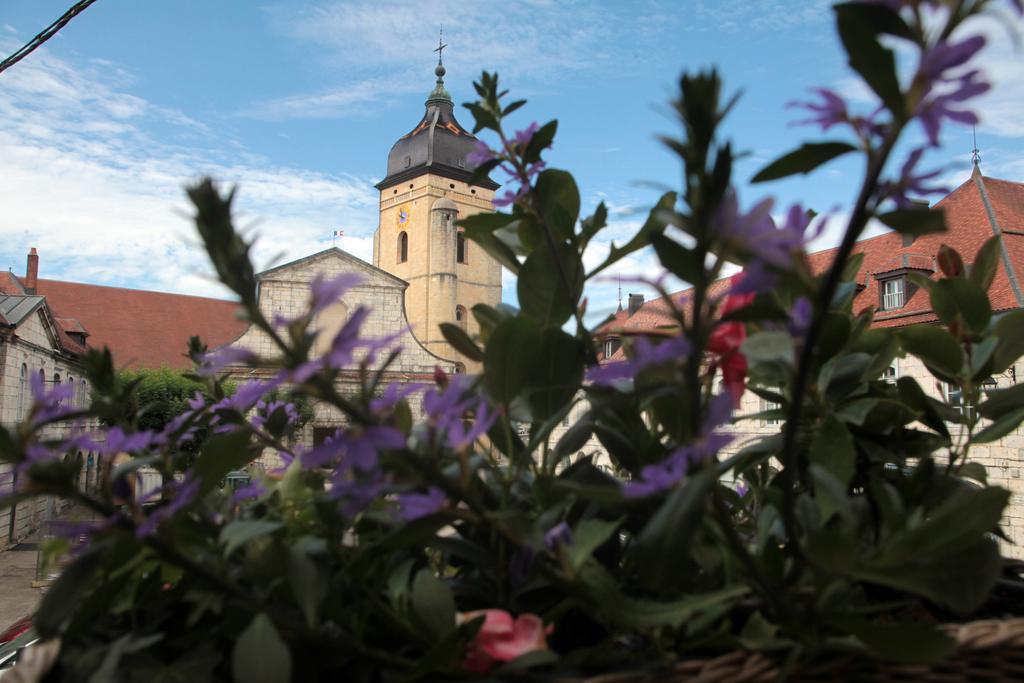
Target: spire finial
[620, 294]
[439, 93]
[975, 153]
[440, 53]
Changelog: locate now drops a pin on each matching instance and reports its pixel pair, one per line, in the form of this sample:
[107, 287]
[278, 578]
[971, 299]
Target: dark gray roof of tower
[438, 144]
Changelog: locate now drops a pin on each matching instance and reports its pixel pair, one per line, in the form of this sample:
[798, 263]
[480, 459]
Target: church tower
[425, 192]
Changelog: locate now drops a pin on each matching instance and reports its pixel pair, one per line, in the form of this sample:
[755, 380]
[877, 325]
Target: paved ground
[17, 571]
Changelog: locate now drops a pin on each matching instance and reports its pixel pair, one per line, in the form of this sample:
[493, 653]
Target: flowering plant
[454, 543]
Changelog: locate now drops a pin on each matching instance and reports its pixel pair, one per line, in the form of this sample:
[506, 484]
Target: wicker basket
[990, 651]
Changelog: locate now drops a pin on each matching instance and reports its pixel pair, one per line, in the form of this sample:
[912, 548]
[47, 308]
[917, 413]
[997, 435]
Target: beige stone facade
[30, 346]
[420, 215]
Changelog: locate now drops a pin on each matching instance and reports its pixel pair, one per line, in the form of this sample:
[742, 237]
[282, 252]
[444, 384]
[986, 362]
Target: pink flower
[725, 342]
[502, 638]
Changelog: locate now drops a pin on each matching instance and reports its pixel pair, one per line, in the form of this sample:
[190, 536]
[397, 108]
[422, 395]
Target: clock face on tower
[402, 217]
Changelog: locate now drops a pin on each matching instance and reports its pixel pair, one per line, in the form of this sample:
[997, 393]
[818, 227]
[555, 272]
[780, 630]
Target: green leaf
[936, 347]
[681, 261]
[308, 583]
[808, 157]
[541, 140]
[558, 201]
[833, 449]
[1009, 328]
[661, 550]
[553, 373]
[541, 286]
[1003, 425]
[461, 342]
[237, 534]
[906, 641]
[875, 64]
[768, 347]
[986, 262]
[507, 357]
[594, 223]
[623, 610]
[1001, 402]
[588, 536]
[915, 221]
[260, 655]
[958, 523]
[501, 252]
[62, 597]
[223, 453]
[433, 604]
[951, 297]
[653, 227]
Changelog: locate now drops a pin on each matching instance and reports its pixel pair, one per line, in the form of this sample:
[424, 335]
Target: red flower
[725, 342]
[502, 638]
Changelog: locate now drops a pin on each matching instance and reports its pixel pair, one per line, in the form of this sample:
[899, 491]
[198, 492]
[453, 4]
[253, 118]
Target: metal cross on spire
[440, 45]
[975, 153]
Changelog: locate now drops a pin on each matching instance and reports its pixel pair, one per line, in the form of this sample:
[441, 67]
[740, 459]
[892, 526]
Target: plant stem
[790, 457]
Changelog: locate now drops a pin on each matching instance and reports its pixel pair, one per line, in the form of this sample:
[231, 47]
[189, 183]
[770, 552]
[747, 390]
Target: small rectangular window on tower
[461, 248]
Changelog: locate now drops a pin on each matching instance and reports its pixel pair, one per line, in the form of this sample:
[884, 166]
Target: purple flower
[393, 393]
[931, 112]
[415, 505]
[116, 440]
[462, 433]
[829, 112]
[253, 490]
[558, 535]
[513, 196]
[481, 154]
[356, 490]
[910, 183]
[742, 489]
[346, 341]
[646, 354]
[800, 316]
[447, 411]
[522, 138]
[247, 395]
[326, 291]
[670, 471]
[52, 404]
[215, 361]
[945, 56]
[353, 448]
[182, 495]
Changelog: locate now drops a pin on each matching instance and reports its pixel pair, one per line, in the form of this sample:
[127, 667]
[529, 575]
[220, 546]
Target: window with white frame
[767, 406]
[894, 293]
[954, 396]
[892, 373]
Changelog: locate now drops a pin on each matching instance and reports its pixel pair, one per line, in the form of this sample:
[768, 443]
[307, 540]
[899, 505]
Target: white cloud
[88, 182]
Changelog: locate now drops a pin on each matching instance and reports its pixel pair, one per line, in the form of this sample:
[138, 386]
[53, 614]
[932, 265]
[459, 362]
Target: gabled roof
[975, 211]
[143, 329]
[350, 259]
[15, 308]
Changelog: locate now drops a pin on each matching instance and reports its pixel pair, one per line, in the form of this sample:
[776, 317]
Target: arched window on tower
[56, 383]
[460, 316]
[403, 247]
[461, 248]
[22, 392]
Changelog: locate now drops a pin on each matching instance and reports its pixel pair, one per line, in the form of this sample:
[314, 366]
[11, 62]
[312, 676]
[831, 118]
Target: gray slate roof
[15, 308]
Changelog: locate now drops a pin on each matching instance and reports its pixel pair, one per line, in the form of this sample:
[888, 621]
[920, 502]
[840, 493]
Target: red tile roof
[969, 224]
[143, 329]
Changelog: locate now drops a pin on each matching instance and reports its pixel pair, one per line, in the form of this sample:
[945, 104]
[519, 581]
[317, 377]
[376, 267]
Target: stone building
[975, 211]
[34, 343]
[426, 190]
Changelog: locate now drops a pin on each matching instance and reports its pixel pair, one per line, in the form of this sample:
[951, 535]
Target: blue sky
[299, 103]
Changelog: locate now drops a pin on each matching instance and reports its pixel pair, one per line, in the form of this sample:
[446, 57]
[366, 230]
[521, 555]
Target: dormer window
[894, 293]
[610, 346]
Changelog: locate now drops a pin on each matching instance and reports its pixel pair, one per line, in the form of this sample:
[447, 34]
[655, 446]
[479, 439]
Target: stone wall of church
[287, 294]
[28, 353]
[407, 209]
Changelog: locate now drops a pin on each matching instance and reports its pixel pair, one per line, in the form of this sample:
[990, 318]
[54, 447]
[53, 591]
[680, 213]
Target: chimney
[635, 302]
[31, 271]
